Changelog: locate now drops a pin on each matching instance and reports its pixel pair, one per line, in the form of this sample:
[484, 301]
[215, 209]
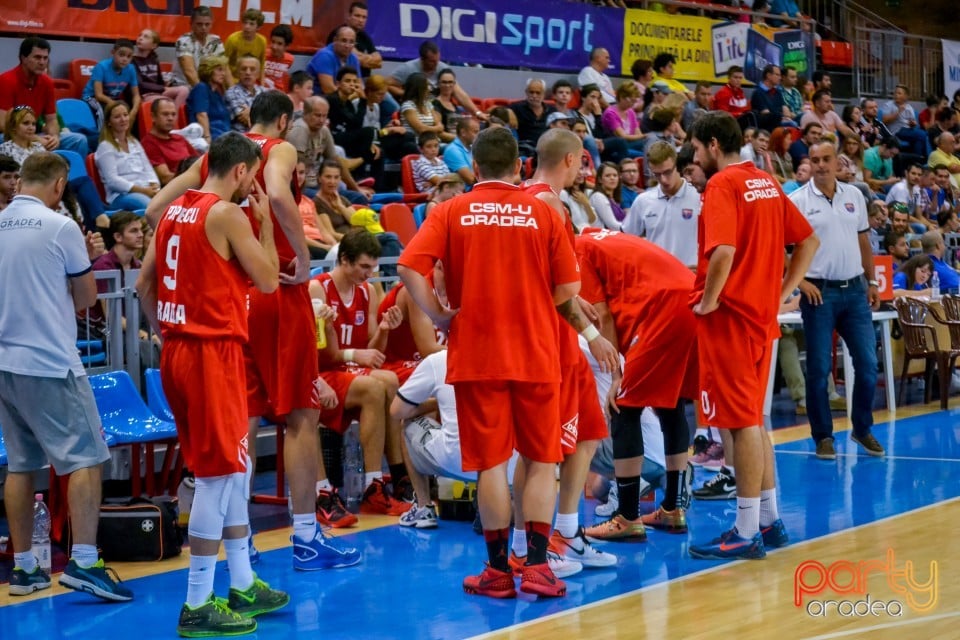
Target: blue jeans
[71, 141]
[129, 202]
[847, 311]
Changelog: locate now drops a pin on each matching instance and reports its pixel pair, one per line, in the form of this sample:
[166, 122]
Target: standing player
[745, 225]
[641, 294]
[507, 266]
[196, 299]
[281, 383]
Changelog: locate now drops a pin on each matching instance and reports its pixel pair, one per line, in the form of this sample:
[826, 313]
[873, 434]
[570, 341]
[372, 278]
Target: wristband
[590, 333]
[348, 355]
[873, 283]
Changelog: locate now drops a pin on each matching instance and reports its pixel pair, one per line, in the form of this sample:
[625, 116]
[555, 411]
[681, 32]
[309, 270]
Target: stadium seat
[156, 398]
[398, 218]
[166, 67]
[78, 168]
[836, 54]
[80, 71]
[144, 120]
[490, 103]
[95, 176]
[575, 100]
[182, 117]
[92, 352]
[76, 116]
[128, 420]
[64, 89]
[419, 214]
[410, 193]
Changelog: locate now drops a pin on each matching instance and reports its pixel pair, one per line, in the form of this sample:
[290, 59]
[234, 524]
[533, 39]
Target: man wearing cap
[532, 116]
[558, 120]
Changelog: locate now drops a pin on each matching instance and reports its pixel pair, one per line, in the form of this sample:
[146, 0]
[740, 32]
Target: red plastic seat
[63, 88]
[145, 119]
[410, 193]
[398, 218]
[80, 71]
[95, 176]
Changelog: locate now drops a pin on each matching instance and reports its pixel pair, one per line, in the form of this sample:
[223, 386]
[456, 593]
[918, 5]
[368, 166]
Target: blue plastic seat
[317, 271]
[76, 116]
[419, 214]
[156, 398]
[124, 414]
[77, 167]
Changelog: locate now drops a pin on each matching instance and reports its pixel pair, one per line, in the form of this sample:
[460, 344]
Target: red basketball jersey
[199, 294]
[351, 320]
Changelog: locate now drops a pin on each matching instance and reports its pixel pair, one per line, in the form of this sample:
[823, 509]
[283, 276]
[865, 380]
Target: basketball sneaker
[403, 490]
[608, 508]
[23, 583]
[562, 567]
[98, 580]
[686, 487]
[774, 535]
[491, 582]
[722, 486]
[540, 580]
[730, 545]
[670, 521]
[618, 529]
[377, 499]
[332, 512]
[213, 618]
[257, 599]
[424, 517]
[322, 552]
[579, 549]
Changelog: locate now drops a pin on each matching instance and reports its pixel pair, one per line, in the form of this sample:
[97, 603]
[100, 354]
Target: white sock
[704, 431]
[519, 545]
[238, 560]
[85, 555]
[26, 561]
[768, 507]
[324, 485]
[567, 524]
[305, 526]
[370, 477]
[200, 579]
[748, 517]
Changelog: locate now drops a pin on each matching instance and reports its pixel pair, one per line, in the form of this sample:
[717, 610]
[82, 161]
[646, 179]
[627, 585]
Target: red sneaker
[516, 563]
[332, 512]
[540, 580]
[377, 499]
[491, 582]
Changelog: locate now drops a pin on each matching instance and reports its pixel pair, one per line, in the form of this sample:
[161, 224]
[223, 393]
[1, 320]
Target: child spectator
[247, 42]
[301, 88]
[276, 67]
[149, 76]
[429, 168]
[109, 80]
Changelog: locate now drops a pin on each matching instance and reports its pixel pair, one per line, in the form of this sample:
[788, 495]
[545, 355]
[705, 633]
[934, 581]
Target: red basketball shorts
[339, 418]
[581, 416]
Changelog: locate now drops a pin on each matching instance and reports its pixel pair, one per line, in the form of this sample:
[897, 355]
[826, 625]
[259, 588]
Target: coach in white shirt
[596, 73]
[667, 213]
[838, 294]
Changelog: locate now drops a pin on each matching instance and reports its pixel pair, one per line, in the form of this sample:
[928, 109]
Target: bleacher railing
[884, 58]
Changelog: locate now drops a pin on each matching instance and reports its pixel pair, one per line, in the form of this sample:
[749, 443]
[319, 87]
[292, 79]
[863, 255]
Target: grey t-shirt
[408, 68]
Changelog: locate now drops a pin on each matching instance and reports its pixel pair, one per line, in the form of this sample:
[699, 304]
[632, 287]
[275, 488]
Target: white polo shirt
[40, 250]
[668, 222]
[837, 225]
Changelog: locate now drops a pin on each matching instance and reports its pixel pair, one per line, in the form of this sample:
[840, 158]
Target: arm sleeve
[454, 158]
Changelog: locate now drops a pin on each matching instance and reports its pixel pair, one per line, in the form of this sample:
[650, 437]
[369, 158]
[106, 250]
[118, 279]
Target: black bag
[139, 529]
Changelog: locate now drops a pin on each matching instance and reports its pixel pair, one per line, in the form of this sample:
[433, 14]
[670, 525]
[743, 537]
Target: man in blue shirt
[326, 62]
[932, 244]
[458, 155]
[767, 100]
[786, 8]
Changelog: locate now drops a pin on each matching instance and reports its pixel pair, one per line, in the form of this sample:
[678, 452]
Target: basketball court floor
[874, 553]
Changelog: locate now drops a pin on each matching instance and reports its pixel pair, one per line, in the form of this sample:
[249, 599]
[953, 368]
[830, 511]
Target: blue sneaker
[774, 535]
[730, 545]
[322, 552]
[23, 583]
[254, 552]
[97, 580]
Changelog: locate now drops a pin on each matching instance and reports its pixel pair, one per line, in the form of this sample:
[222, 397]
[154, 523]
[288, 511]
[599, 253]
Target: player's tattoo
[570, 311]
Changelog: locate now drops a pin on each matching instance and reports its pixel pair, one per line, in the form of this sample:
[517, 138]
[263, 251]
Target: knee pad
[209, 509]
[238, 500]
[626, 433]
[676, 431]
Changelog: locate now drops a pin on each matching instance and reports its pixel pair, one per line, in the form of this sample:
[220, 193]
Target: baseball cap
[661, 87]
[368, 219]
[899, 207]
[557, 116]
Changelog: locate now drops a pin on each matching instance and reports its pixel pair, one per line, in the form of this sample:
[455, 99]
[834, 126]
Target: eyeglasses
[666, 173]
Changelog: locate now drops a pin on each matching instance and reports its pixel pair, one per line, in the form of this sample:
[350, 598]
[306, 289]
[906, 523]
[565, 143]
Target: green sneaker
[258, 599]
[213, 618]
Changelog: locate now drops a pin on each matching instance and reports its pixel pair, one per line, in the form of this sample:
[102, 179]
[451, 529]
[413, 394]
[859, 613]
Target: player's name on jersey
[760, 189]
[171, 312]
[178, 213]
[499, 214]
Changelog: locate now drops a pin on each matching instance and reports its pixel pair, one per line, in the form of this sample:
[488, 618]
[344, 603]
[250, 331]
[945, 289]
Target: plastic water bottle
[935, 286]
[185, 500]
[353, 473]
[41, 533]
[321, 328]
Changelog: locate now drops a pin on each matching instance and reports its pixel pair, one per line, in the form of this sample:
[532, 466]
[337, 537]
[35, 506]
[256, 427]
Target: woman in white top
[578, 201]
[417, 111]
[126, 172]
[21, 134]
[606, 199]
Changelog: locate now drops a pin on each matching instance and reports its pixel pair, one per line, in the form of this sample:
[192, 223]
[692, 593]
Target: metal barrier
[884, 58]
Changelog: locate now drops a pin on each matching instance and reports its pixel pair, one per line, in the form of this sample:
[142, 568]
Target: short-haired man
[428, 63]
[812, 132]
[701, 103]
[364, 48]
[192, 47]
[731, 98]
[896, 245]
[821, 80]
[595, 74]
[458, 155]
[47, 409]
[878, 164]
[908, 192]
[824, 115]
[166, 150]
[515, 406]
[872, 128]
[28, 84]
[314, 144]
[943, 156]
[9, 177]
[668, 215]
[562, 93]
[931, 243]
[532, 115]
[792, 99]
[330, 59]
[899, 218]
[767, 100]
[691, 171]
[946, 193]
[240, 96]
[901, 119]
[737, 305]
[276, 66]
[630, 185]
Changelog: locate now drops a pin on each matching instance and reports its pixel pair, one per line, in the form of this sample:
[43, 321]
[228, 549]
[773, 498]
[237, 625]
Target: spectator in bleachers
[878, 164]
[792, 99]
[901, 120]
[577, 196]
[205, 104]
[789, 10]
[800, 148]
[9, 177]
[446, 103]
[416, 110]
[939, 193]
[605, 199]
[165, 149]
[659, 91]
[877, 217]
[801, 176]
[642, 73]
[851, 165]
[896, 245]
[931, 243]
[149, 76]
[504, 117]
[429, 167]
[326, 62]
[450, 186]
[731, 98]
[908, 192]
[913, 277]
[240, 96]
[598, 142]
[557, 120]
[395, 141]
[428, 63]
[126, 238]
[111, 79]
[663, 68]
[562, 93]
[531, 115]
[821, 81]
[276, 65]
[621, 119]
[191, 48]
[128, 177]
[934, 104]
[944, 155]
[28, 85]
[301, 88]
[320, 236]
[757, 151]
[364, 49]
[701, 103]
[315, 144]
[807, 89]
[458, 155]
[595, 74]
[948, 222]
[944, 120]
[780, 141]
[246, 42]
[767, 100]
[852, 116]
[630, 185]
[900, 218]
[824, 115]
[945, 180]
[664, 126]
[872, 129]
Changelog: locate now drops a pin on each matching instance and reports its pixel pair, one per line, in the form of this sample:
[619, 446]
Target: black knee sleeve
[676, 431]
[626, 433]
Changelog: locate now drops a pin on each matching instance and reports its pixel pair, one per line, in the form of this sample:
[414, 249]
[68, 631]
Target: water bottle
[353, 474]
[41, 533]
[185, 500]
[321, 328]
[935, 286]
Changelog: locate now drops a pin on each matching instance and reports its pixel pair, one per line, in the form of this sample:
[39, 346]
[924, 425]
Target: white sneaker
[562, 567]
[609, 507]
[579, 549]
[420, 517]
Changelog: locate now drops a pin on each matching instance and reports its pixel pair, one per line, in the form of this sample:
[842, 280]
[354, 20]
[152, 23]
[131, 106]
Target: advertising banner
[551, 35]
[798, 49]
[647, 33]
[951, 66]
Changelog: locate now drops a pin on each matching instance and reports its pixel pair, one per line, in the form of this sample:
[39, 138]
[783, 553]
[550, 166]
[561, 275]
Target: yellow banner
[689, 38]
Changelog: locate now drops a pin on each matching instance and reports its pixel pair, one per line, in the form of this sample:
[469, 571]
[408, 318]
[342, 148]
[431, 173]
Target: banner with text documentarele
[951, 67]
[549, 35]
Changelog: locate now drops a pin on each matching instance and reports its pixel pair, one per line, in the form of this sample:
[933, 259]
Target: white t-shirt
[589, 75]
[578, 215]
[40, 250]
[668, 222]
[901, 192]
[838, 225]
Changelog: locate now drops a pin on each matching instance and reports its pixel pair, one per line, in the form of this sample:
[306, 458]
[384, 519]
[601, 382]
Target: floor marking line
[859, 455]
[886, 625]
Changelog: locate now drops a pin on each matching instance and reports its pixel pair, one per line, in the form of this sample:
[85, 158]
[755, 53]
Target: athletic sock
[628, 489]
[567, 524]
[305, 526]
[324, 485]
[397, 473]
[238, 561]
[538, 537]
[25, 560]
[200, 579]
[748, 516]
[497, 550]
[768, 507]
[670, 493]
[519, 544]
[85, 555]
[369, 477]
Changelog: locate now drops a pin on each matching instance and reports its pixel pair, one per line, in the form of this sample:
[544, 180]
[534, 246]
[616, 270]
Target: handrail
[719, 8]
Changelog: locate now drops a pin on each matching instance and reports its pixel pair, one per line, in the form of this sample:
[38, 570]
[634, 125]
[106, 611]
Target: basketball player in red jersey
[281, 383]
[196, 299]
[745, 225]
[583, 425]
[507, 265]
[410, 341]
[351, 365]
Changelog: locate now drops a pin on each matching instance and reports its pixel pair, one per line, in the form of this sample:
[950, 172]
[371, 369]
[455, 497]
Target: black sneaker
[722, 486]
[403, 490]
[213, 618]
[23, 583]
[869, 444]
[686, 487]
[258, 599]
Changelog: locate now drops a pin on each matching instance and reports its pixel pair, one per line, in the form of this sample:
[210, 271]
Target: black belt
[820, 283]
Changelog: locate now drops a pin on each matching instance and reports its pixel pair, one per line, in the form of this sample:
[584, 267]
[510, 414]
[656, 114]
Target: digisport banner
[547, 35]
[799, 50]
[951, 66]
[311, 20]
